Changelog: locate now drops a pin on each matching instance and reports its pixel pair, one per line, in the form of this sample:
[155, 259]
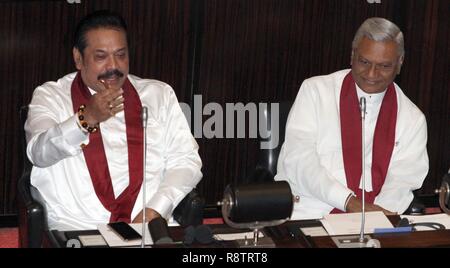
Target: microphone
[362, 107]
[159, 231]
[361, 241]
[144, 117]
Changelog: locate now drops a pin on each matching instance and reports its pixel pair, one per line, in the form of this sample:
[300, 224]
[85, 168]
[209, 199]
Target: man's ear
[400, 63]
[351, 57]
[77, 58]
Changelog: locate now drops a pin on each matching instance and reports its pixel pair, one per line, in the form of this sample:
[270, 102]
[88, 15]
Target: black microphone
[159, 231]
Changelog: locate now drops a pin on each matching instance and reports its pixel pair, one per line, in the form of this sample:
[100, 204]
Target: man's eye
[363, 62]
[100, 57]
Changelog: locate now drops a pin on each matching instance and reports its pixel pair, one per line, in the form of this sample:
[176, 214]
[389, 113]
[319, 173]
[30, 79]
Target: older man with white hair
[321, 157]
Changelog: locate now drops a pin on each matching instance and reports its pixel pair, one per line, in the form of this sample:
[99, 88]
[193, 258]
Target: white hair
[380, 30]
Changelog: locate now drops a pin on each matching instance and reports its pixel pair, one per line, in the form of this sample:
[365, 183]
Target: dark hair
[95, 20]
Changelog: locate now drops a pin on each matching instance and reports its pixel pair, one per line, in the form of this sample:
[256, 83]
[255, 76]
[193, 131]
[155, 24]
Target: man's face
[105, 58]
[375, 64]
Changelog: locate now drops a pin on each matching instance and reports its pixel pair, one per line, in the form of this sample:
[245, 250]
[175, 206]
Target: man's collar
[370, 97]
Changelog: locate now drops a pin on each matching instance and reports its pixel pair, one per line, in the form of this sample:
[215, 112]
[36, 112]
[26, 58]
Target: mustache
[110, 74]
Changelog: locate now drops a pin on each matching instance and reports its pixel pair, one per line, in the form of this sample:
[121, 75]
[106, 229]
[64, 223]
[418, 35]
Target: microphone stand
[362, 106]
[144, 116]
[362, 241]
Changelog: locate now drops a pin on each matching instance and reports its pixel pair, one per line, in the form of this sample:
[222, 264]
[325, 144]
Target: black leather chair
[32, 214]
[266, 166]
[417, 207]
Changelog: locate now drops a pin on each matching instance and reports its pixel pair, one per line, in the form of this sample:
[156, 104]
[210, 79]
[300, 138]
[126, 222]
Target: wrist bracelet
[83, 123]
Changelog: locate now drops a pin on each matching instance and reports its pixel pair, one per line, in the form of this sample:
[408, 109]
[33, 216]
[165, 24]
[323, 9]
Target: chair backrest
[32, 214]
[190, 210]
[26, 168]
[266, 166]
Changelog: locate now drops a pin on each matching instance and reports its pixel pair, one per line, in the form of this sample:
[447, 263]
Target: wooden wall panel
[425, 77]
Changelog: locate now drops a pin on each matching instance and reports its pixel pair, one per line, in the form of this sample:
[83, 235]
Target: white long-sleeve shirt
[311, 156]
[60, 172]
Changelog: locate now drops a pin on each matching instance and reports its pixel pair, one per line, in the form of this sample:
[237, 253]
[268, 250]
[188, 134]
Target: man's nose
[372, 71]
[112, 63]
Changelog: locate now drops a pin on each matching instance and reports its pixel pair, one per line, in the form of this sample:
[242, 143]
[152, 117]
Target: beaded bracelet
[83, 123]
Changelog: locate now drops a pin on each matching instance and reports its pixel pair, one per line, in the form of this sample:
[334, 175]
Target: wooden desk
[423, 239]
[284, 237]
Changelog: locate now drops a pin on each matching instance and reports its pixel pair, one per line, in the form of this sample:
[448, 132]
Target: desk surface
[283, 237]
[422, 239]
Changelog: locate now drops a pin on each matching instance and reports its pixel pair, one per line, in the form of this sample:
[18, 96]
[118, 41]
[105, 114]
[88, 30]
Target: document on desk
[237, 236]
[114, 240]
[350, 223]
[442, 218]
[314, 231]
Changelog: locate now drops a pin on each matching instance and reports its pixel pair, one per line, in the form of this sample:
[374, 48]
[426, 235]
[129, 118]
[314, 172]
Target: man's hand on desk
[150, 214]
[355, 205]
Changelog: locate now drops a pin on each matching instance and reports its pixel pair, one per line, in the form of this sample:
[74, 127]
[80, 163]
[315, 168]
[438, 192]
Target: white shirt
[60, 172]
[373, 105]
[311, 156]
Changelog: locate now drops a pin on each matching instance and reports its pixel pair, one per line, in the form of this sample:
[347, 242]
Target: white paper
[350, 223]
[442, 218]
[236, 236]
[314, 231]
[92, 240]
[114, 240]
